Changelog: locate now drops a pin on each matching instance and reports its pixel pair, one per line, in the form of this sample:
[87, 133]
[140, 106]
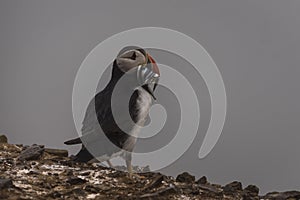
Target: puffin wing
[95, 116]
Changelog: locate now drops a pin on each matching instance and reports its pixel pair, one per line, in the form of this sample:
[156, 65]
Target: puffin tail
[73, 141]
[83, 156]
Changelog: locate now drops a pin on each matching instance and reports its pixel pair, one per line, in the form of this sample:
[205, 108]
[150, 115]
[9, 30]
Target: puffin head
[142, 64]
[131, 59]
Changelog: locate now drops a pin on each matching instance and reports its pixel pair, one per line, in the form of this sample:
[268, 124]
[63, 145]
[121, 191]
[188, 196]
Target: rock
[91, 189]
[57, 152]
[146, 169]
[5, 183]
[33, 172]
[169, 190]
[76, 192]
[69, 172]
[141, 169]
[283, 195]
[58, 177]
[210, 188]
[185, 178]
[76, 180]
[55, 194]
[166, 191]
[6, 161]
[33, 152]
[202, 180]
[253, 189]
[250, 193]
[85, 173]
[3, 139]
[232, 187]
[246, 196]
[157, 182]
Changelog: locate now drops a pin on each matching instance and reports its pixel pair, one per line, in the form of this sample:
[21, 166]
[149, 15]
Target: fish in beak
[148, 75]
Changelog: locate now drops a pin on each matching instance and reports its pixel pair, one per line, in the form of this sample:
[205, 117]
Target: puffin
[115, 115]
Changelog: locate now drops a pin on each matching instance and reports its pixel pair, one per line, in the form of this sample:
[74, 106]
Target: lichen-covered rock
[252, 189]
[202, 180]
[291, 195]
[53, 176]
[5, 183]
[3, 139]
[251, 193]
[33, 152]
[185, 178]
[75, 180]
[57, 152]
[232, 187]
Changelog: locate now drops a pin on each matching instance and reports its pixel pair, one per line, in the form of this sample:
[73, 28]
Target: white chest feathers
[144, 102]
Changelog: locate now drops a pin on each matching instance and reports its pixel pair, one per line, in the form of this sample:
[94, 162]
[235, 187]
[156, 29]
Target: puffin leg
[110, 164]
[129, 168]
[128, 158]
[131, 173]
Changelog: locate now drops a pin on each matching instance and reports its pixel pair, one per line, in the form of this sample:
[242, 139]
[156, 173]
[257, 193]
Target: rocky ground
[36, 172]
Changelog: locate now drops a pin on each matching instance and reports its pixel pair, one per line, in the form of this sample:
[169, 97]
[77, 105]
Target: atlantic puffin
[102, 137]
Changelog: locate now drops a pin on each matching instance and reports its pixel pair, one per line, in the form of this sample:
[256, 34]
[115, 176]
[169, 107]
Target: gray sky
[254, 43]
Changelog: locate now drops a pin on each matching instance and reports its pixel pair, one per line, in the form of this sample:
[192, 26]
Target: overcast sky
[255, 44]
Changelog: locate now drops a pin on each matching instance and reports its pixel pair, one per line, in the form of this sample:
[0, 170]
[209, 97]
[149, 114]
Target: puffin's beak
[148, 76]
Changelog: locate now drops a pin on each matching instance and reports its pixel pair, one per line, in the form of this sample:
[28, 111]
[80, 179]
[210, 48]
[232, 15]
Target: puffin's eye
[133, 57]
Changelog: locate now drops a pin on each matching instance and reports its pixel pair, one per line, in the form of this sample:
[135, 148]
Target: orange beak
[152, 61]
